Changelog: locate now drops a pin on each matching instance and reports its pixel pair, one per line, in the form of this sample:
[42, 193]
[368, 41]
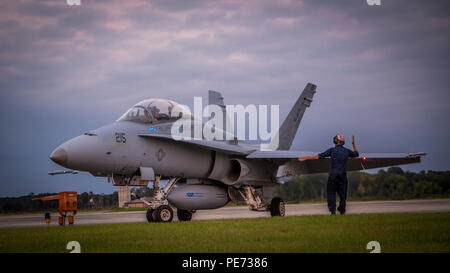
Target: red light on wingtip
[364, 158]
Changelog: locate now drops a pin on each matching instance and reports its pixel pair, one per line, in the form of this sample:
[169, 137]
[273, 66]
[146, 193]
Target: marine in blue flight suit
[337, 176]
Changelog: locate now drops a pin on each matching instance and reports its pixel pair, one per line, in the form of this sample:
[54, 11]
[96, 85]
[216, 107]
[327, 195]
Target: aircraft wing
[278, 154]
[221, 146]
[293, 167]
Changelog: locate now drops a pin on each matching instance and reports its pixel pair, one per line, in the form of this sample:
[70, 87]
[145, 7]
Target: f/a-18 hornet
[202, 174]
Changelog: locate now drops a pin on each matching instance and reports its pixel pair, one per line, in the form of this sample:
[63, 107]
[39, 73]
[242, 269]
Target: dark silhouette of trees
[392, 184]
[25, 204]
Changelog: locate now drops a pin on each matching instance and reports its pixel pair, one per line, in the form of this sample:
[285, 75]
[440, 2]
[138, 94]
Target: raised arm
[303, 158]
[353, 143]
[327, 153]
[355, 151]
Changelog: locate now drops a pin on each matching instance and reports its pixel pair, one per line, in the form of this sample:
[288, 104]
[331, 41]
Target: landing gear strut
[276, 207]
[159, 209]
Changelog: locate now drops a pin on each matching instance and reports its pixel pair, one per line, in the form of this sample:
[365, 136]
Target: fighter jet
[202, 174]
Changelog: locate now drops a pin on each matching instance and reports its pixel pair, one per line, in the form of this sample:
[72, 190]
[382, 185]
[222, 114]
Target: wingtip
[417, 154]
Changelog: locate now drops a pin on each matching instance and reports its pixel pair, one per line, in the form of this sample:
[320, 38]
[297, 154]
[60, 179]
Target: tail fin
[288, 129]
[216, 98]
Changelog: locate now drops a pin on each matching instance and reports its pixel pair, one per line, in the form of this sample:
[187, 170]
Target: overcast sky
[382, 72]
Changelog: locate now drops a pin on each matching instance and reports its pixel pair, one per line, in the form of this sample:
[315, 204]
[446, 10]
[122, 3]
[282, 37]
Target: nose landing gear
[159, 209]
[164, 213]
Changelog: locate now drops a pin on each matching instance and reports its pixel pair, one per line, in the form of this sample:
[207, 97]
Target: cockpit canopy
[155, 111]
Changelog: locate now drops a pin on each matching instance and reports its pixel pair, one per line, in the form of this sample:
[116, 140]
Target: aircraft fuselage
[117, 148]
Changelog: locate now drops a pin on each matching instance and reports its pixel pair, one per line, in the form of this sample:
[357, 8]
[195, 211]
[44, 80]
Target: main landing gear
[184, 215]
[159, 209]
[276, 206]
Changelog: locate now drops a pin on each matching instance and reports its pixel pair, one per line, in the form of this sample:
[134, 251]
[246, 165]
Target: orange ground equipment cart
[67, 205]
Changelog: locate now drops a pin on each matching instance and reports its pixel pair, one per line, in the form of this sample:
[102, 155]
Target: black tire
[184, 215]
[149, 215]
[155, 219]
[164, 213]
[277, 207]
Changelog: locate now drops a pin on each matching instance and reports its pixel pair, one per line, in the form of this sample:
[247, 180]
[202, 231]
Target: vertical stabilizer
[288, 129]
[215, 98]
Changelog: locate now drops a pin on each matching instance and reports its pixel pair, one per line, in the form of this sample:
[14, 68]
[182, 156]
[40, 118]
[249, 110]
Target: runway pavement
[86, 218]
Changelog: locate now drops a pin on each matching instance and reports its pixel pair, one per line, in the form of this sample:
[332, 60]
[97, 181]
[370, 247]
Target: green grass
[427, 232]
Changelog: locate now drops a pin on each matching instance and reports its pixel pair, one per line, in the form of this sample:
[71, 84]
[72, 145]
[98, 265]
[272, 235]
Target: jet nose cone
[59, 156]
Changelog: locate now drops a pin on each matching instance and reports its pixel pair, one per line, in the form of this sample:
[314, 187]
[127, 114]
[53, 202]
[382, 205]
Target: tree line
[85, 201]
[393, 184]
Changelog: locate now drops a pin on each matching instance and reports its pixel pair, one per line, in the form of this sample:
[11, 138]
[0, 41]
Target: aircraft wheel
[154, 216]
[184, 215]
[149, 215]
[277, 207]
[164, 213]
